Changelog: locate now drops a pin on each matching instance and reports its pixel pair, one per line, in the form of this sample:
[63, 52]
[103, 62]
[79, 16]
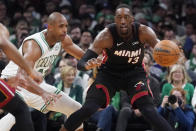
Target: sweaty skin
[56, 32]
[21, 78]
[123, 20]
[11, 52]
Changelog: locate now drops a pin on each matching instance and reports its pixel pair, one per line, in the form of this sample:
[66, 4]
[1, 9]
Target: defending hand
[92, 63]
[49, 98]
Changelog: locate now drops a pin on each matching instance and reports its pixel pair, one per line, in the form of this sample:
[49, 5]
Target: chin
[124, 33]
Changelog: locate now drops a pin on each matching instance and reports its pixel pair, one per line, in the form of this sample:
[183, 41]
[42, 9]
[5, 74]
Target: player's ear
[49, 27]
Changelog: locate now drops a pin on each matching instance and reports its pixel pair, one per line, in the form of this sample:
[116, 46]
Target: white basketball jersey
[43, 63]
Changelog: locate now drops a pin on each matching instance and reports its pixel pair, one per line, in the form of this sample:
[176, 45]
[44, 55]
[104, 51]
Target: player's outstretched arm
[32, 53]
[72, 48]
[90, 59]
[12, 53]
[26, 82]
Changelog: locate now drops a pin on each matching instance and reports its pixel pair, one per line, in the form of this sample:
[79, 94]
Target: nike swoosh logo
[118, 44]
[135, 43]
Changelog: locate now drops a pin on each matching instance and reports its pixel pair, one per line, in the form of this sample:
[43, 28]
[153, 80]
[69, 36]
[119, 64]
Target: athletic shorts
[134, 82]
[6, 93]
[34, 100]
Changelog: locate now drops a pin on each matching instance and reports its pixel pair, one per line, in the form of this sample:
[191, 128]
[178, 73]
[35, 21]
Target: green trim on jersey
[43, 108]
[43, 38]
[40, 45]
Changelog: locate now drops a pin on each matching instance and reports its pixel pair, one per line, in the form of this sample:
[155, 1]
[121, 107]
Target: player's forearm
[74, 50]
[33, 87]
[12, 53]
[87, 56]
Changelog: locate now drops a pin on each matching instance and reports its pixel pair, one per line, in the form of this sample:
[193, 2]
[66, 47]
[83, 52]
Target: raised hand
[165, 101]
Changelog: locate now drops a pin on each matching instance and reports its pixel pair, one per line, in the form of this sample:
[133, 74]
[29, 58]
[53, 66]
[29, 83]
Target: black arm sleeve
[88, 55]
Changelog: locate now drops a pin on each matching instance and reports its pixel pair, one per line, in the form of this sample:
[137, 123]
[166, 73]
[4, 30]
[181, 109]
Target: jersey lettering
[132, 55]
[46, 61]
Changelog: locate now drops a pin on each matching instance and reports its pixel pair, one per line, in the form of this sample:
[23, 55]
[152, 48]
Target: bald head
[57, 26]
[54, 17]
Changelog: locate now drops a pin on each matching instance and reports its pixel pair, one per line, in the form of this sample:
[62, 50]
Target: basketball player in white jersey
[11, 102]
[40, 50]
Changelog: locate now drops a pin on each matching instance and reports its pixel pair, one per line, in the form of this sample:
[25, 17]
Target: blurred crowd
[170, 19]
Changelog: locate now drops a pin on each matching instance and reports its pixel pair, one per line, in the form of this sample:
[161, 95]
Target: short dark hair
[123, 6]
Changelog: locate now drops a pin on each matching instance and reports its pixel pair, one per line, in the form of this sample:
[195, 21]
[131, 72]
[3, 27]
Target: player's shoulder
[105, 34]
[144, 28]
[104, 39]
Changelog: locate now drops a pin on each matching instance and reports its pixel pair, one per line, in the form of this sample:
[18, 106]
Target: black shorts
[134, 82]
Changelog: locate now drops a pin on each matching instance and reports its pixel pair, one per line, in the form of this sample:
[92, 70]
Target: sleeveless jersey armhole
[38, 43]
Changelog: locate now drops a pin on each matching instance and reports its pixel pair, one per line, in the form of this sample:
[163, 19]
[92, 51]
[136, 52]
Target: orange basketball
[166, 53]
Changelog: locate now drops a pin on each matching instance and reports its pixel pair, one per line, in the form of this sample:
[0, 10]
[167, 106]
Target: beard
[124, 32]
[76, 41]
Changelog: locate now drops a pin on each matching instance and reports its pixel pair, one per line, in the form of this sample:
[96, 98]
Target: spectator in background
[68, 74]
[75, 34]
[191, 63]
[99, 118]
[141, 18]
[179, 114]
[159, 13]
[169, 34]
[31, 8]
[43, 24]
[82, 10]
[3, 14]
[179, 30]
[190, 13]
[66, 10]
[67, 85]
[187, 41]
[34, 23]
[102, 21]
[86, 39]
[90, 9]
[87, 22]
[21, 31]
[194, 100]
[50, 6]
[178, 78]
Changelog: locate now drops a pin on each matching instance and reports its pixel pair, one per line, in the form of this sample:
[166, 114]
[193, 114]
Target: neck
[66, 85]
[178, 83]
[49, 39]
[127, 37]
